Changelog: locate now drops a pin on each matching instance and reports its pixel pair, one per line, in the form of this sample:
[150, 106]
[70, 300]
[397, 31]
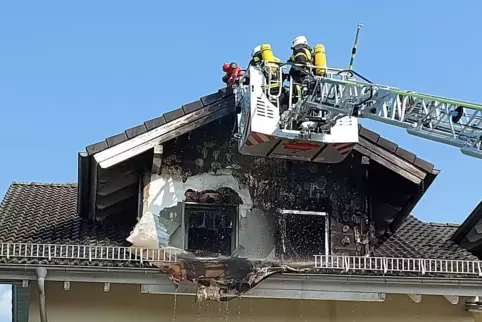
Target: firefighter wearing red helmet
[233, 72]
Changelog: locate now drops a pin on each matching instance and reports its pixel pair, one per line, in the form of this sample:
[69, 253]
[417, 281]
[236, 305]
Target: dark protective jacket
[256, 60]
[302, 54]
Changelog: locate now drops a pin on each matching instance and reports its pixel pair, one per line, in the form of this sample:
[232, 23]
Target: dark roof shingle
[225, 93]
[158, 121]
[46, 214]
[418, 239]
[41, 213]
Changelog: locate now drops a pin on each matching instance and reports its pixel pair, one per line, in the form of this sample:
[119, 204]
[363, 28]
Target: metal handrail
[399, 265]
[329, 262]
[86, 252]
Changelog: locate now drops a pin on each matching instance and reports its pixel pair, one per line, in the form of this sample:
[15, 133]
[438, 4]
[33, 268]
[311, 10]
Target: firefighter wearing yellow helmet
[301, 56]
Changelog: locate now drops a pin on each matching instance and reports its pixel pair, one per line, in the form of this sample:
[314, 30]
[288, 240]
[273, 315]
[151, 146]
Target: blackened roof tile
[46, 214]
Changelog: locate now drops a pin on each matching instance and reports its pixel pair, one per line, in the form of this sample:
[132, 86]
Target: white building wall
[89, 302]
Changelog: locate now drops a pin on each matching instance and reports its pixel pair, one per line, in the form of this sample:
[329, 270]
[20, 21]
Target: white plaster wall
[256, 234]
[88, 302]
[163, 205]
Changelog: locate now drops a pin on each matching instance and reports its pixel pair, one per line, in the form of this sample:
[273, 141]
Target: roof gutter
[455, 286]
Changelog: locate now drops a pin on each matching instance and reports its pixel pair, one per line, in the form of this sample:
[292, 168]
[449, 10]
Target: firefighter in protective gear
[256, 57]
[263, 54]
[302, 56]
[233, 72]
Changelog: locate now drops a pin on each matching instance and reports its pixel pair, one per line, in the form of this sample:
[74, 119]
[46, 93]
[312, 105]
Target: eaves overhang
[294, 286]
[469, 233]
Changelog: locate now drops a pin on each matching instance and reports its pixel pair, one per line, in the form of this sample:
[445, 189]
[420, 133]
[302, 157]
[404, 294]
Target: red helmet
[226, 67]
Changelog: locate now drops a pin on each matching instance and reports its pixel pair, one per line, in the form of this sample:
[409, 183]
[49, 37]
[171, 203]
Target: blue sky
[73, 73]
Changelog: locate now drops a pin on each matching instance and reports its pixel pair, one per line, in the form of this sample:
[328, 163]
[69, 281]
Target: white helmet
[299, 40]
[256, 50]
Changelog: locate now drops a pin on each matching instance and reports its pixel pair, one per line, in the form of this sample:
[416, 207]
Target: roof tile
[192, 107]
[407, 155]
[116, 139]
[135, 131]
[386, 144]
[46, 213]
[174, 114]
[152, 124]
[96, 147]
[369, 135]
[418, 239]
[211, 98]
[427, 166]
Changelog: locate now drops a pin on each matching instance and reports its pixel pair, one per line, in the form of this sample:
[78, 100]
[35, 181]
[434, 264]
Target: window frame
[235, 221]
[313, 213]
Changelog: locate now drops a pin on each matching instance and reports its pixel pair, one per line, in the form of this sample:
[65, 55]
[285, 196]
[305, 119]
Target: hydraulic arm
[435, 118]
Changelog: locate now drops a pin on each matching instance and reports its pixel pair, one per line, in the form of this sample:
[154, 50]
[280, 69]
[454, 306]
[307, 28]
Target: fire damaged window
[302, 234]
[210, 228]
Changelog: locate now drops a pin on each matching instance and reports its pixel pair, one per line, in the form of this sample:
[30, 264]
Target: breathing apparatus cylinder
[268, 56]
[320, 59]
[267, 53]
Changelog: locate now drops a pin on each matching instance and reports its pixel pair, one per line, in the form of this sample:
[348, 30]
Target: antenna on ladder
[353, 51]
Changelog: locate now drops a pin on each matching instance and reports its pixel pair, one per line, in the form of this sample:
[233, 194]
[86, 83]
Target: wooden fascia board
[390, 161]
[169, 131]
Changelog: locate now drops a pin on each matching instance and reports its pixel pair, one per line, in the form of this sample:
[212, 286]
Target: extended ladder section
[435, 118]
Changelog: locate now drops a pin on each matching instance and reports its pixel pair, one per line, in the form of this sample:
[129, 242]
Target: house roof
[469, 234]
[223, 95]
[45, 213]
[108, 187]
[418, 239]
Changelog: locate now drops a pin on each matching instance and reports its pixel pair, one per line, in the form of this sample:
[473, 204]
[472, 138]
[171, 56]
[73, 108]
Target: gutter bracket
[453, 299]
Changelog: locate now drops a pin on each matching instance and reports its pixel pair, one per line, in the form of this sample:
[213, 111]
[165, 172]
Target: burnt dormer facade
[181, 182]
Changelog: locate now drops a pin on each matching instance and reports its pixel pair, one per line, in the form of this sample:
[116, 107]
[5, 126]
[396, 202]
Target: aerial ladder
[322, 126]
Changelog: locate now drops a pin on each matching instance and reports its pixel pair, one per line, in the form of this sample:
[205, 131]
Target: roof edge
[463, 286]
[397, 150]
[474, 217]
[157, 122]
[39, 183]
[222, 93]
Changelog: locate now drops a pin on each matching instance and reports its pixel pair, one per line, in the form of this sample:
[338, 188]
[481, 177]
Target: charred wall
[273, 183]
